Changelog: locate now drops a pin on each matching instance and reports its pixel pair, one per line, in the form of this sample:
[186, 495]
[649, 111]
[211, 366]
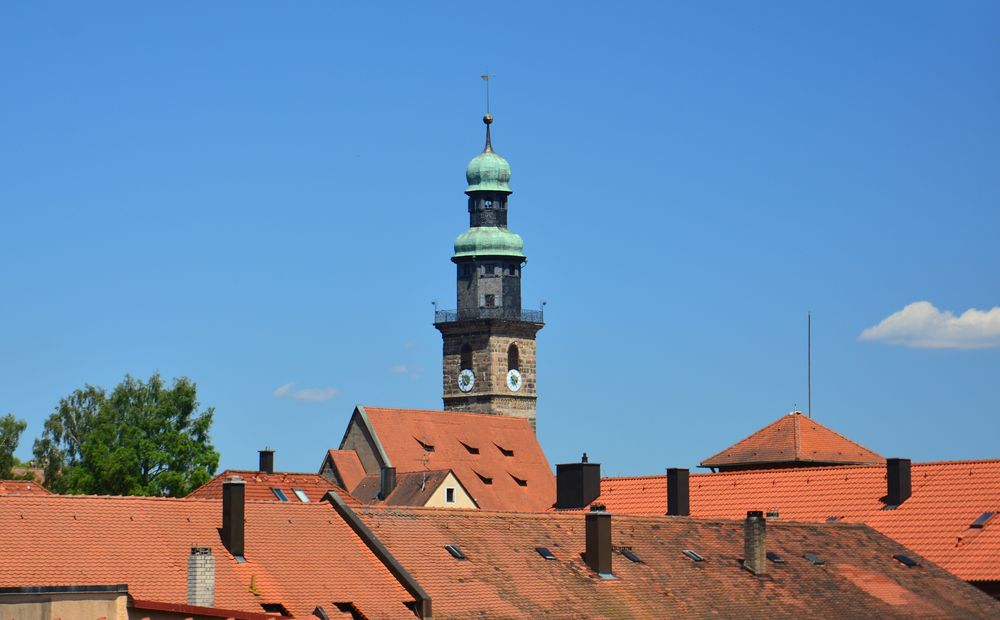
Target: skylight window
[545, 553]
[693, 555]
[905, 560]
[814, 559]
[299, 493]
[504, 451]
[773, 514]
[832, 519]
[774, 557]
[628, 553]
[981, 521]
[279, 494]
[455, 552]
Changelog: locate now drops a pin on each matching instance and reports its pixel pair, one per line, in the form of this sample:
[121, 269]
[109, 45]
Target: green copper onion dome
[489, 241]
[488, 171]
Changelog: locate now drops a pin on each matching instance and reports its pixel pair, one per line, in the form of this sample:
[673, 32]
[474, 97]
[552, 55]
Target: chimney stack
[577, 484]
[233, 495]
[201, 577]
[598, 554]
[755, 542]
[678, 492]
[898, 478]
[387, 482]
[266, 460]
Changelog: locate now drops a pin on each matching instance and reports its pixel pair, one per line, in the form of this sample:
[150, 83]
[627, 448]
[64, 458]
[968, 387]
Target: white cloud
[921, 325]
[399, 369]
[313, 394]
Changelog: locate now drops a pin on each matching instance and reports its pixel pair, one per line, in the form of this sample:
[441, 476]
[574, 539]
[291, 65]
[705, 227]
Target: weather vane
[486, 78]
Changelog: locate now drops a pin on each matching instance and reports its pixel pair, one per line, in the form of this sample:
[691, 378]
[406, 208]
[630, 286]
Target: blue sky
[257, 194]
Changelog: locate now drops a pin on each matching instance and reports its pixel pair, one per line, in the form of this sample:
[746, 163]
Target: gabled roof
[22, 487]
[412, 488]
[259, 486]
[935, 521]
[792, 440]
[348, 466]
[485, 452]
[299, 555]
[502, 575]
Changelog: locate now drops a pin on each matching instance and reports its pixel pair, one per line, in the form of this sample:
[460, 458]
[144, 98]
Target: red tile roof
[259, 485]
[412, 488]
[348, 466]
[299, 555]
[476, 448]
[22, 487]
[790, 440]
[935, 521]
[503, 575]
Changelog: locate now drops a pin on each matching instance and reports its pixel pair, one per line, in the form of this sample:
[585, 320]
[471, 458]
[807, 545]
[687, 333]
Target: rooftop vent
[545, 553]
[521, 482]
[504, 451]
[814, 559]
[426, 446]
[905, 560]
[455, 552]
[485, 479]
[981, 521]
[694, 555]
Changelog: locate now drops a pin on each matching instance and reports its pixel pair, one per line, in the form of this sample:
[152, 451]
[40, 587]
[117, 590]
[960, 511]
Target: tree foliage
[10, 434]
[142, 439]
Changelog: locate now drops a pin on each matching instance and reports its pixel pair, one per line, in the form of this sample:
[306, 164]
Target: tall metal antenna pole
[486, 78]
[809, 371]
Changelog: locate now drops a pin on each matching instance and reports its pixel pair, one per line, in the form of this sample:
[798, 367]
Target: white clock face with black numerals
[514, 379]
[466, 380]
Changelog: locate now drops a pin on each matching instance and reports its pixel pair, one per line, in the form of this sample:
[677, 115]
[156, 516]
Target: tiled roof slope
[793, 439]
[412, 488]
[300, 555]
[348, 465]
[504, 577]
[22, 487]
[259, 485]
[935, 521]
[489, 454]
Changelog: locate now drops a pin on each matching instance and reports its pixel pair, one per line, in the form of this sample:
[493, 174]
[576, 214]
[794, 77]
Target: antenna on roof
[809, 362]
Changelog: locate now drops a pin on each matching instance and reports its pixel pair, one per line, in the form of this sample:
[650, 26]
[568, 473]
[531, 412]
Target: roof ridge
[796, 441]
[742, 439]
[845, 438]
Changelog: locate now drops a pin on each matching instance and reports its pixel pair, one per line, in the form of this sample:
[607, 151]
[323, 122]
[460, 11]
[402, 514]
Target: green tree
[10, 434]
[142, 439]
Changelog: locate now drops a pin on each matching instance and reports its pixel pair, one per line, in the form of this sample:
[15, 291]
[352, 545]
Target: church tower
[489, 341]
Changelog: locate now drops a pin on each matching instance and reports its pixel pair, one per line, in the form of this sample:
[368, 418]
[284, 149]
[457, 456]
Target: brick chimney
[387, 482]
[266, 460]
[898, 478]
[201, 577]
[678, 492]
[233, 495]
[577, 484]
[755, 542]
[598, 554]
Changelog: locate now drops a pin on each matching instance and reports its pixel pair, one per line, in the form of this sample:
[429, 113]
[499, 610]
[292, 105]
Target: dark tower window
[513, 357]
[490, 301]
[466, 362]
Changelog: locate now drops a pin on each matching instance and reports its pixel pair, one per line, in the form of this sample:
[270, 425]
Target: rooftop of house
[297, 555]
[277, 487]
[348, 466]
[496, 458]
[936, 521]
[504, 575]
[793, 440]
[412, 488]
[22, 487]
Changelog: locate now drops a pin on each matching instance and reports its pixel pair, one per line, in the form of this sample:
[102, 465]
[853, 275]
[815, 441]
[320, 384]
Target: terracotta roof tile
[259, 485]
[22, 487]
[504, 577]
[405, 435]
[935, 521]
[348, 466]
[300, 555]
[793, 439]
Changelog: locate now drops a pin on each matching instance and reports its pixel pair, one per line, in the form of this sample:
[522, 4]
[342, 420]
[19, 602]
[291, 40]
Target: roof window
[521, 482]
[455, 552]
[485, 479]
[275, 608]
[471, 449]
[545, 553]
[833, 519]
[773, 514]
[693, 555]
[905, 560]
[504, 451]
[774, 557]
[628, 553]
[814, 559]
[299, 493]
[428, 447]
[981, 521]
[279, 494]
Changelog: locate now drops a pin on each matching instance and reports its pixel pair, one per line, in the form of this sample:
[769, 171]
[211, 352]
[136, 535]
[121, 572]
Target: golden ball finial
[488, 119]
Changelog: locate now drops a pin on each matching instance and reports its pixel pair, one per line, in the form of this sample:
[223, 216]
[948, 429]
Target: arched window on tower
[513, 357]
[466, 361]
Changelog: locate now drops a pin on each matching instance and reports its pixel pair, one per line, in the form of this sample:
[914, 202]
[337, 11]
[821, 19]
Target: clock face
[466, 380]
[514, 379]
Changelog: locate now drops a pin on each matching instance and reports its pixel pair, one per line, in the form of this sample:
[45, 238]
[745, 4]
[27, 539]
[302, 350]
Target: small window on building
[774, 557]
[490, 301]
[773, 514]
[814, 559]
[905, 560]
[279, 494]
[469, 449]
[299, 493]
[981, 521]
[455, 552]
[545, 553]
[465, 363]
[628, 553]
[485, 479]
[513, 357]
[488, 203]
[426, 446]
[693, 555]
[504, 451]
[521, 482]
[449, 495]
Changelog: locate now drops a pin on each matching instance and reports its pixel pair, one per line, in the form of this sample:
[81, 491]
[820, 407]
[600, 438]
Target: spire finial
[488, 119]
